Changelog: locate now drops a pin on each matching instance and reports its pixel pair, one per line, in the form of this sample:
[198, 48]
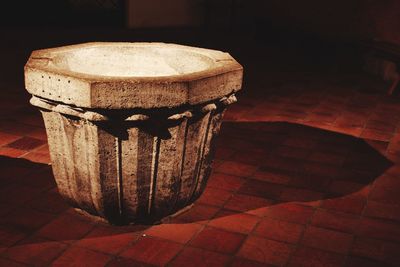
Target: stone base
[98, 219]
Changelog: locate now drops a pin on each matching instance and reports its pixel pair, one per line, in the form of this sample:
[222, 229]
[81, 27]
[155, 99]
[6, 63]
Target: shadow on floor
[292, 155]
[291, 162]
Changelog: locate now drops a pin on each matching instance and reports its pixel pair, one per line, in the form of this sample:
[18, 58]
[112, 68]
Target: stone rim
[92, 91]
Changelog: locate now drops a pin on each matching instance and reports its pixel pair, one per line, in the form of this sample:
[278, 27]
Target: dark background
[350, 20]
[319, 34]
[289, 35]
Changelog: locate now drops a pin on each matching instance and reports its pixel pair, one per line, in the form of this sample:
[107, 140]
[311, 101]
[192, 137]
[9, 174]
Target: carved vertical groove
[154, 173]
[144, 167]
[129, 173]
[194, 136]
[119, 174]
[169, 171]
[182, 163]
[52, 122]
[208, 156]
[201, 159]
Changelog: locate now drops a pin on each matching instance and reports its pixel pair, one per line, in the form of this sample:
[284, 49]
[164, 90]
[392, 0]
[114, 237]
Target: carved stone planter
[131, 126]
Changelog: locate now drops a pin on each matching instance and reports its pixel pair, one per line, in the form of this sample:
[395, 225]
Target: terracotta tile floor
[307, 173]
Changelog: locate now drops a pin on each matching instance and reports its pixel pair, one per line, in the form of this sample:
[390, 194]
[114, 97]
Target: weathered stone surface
[131, 151]
[139, 75]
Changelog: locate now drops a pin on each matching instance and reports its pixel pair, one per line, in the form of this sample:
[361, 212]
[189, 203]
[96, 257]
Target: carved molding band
[94, 116]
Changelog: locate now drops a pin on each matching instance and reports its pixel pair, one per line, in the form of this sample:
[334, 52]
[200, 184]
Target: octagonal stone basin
[131, 126]
[133, 61]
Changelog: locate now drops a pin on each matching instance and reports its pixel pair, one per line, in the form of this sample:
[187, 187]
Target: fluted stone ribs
[136, 173]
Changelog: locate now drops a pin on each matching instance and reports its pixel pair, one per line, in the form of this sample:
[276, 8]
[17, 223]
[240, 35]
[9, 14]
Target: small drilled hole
[69, 81]
[42, 91]
[49, 77]
[42, 76]
[58, 79]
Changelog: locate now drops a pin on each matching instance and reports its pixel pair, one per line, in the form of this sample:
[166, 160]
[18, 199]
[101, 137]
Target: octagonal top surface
[131, 75]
